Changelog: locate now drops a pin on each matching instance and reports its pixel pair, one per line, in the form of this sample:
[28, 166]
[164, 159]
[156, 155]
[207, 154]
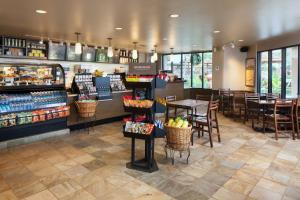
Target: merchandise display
[34, 116]
[83, 84]
[16, 75]
[138, 103]
[178, 122]
[139, 128]
[116, 82]
[33, 100]
[139, 78]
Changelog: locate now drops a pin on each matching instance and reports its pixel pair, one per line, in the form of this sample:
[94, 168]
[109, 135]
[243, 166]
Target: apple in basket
[178, 123]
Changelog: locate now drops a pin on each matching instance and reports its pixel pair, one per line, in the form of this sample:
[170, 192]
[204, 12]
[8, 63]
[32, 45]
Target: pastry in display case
[33, 100]
[25, 74]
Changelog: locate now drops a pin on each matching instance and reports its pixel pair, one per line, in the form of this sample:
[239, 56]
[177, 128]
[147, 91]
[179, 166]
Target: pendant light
[110, 51]
[78, 47]
[152, 57]
[171, 55]
[135, 52]
[155, 57]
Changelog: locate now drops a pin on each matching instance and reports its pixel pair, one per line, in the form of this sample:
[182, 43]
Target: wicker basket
[86, 109]
[178, 138]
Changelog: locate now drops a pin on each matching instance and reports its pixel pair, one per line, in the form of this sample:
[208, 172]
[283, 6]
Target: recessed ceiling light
[118, 28]
[241, 40]
[196, 45]
[41, 11]
[174, 15]
[165, 39]
[217, 31]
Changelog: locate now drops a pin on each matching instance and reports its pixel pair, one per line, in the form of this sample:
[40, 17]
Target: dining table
[264, 106]
[190, 105]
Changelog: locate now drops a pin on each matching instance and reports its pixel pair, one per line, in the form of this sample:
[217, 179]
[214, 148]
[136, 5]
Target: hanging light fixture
[152, 57]
[110, 51]
[135, 52]
[155, 57]
[172, 55]
[78, 47]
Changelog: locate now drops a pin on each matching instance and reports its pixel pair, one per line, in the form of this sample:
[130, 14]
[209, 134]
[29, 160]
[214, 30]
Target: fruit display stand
[148, 163]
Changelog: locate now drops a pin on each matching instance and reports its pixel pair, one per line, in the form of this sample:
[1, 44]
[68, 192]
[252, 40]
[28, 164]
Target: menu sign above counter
[142, 69]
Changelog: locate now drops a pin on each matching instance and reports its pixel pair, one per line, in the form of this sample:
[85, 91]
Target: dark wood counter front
[107, 111]
[113, 110]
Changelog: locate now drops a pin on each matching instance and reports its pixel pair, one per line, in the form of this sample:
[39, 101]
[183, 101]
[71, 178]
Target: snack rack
[148, 163]
[41, 101]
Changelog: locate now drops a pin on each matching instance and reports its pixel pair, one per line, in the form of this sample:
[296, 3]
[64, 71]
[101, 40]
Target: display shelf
[35, 109]
[155, 83]
[160, 108]
[158, 132]
[137, 110]
[36, 123]
[31, 88]
[19, 131]
[137, 135]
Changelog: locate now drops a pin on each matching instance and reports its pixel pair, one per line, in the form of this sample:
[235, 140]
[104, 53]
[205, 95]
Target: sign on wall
[142, 69]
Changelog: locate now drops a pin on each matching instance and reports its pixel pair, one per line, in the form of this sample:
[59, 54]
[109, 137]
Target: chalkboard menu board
[71, 56]
[101, 55]
[57, 51]
[88, 54]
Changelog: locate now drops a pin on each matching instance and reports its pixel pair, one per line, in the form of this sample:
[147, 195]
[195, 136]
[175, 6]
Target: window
[292, 72]
[177, 65]
[197, 70]
[207, 62]
[194, 68]
[276, 71]
[167, 63]
[264, 60]
[187, 70]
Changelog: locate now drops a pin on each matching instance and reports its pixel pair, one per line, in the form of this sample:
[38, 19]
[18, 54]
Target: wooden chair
[282, 117]
[297, 116]
[225, 100]
[238, 104]
[202, 98]
[210, 121]
[272, 96]
[251, 109]
[170, 99]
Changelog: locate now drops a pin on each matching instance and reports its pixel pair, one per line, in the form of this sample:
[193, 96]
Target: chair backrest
[297, 107]
[238, 98]
[251, 97]
[213, 106]
[272, 96]
[224, 92]
[170, 98]
[204, 97]
[286, 104]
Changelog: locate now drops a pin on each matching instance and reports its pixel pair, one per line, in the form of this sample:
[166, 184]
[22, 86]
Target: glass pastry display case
[33, 100]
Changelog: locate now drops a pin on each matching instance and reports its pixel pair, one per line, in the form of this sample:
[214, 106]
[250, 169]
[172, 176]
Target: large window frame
[283, 69]
[192, 66]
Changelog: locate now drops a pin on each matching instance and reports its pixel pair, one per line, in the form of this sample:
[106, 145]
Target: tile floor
[246, 165]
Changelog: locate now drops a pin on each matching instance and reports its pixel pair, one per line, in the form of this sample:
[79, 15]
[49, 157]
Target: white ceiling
[148, 22]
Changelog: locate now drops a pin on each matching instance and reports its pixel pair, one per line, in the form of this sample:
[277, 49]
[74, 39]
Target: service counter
[113, 110]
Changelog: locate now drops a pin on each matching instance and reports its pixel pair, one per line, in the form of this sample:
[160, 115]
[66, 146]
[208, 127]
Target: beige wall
[229, 69]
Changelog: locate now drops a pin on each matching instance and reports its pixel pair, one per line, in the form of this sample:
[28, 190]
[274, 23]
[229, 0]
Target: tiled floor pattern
[246, 165]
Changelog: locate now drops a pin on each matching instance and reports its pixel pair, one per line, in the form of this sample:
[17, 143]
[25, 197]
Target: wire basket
[178, 138]
[86, 108]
